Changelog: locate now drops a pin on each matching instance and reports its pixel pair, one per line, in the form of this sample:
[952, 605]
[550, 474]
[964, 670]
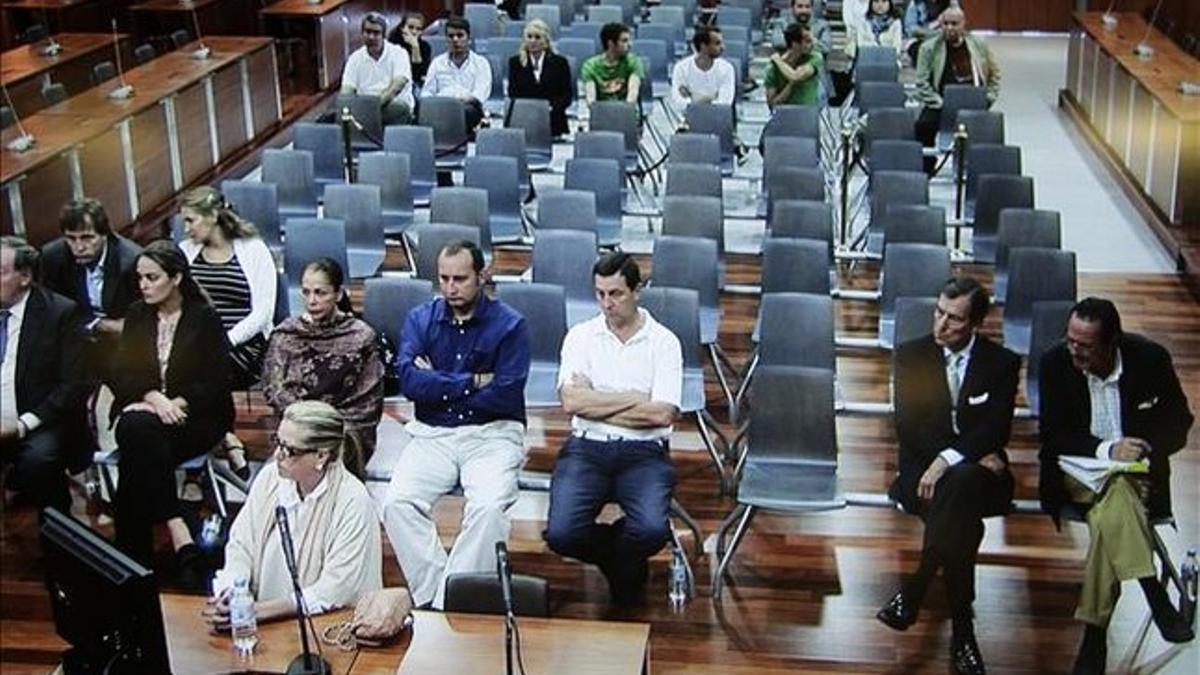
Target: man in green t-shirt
[794, 76]
[614, 74]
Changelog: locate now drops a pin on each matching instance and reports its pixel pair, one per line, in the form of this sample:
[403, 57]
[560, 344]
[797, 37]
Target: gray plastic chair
[781, 344]
[389, 171]
[307, 240]
[983, 126]
[914, 224]
[359, 207]
[498, 175]
[734, 16]
[875, 54]
[781, 152]
[567, 10]
[544, 307]
[869, 96]
[504, 46]
[876, 72]
[996, 193]
[483, 19]
[791, 266]
[513, 29]
[103, 72]
[909, 270]
[1035, 274]
[480, 593]
[292, 173]
[691, 262]
[1030, 228]
[689, 148]
[891, 188]
[895, 155]
[628, 9]
[463, 206]
[447, 118]
[789, 459]
[417, 143]
[506, 143]
[606, 12]
[144, 53]
[956, 97]
[657, 56]
[54, 93]
[585, 30]
[895, 124]
[565, 258]
[988, 158]
[532, 115]
[387, 302]
[369, 113]
[430, 238]
[600, 145]
[603, 178]
[551, 14]
[717, 119]
[804, 219]
[799, 121]
[437, 44]
[1048, 325]
[7, 117]
[621, 117]
[914, 318]
[258, 203]
[324, 141]
[694, 216]
[793, 182]
[570, 209]
[700, 180]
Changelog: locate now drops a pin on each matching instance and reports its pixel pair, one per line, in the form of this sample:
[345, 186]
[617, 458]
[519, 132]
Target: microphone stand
[306, 663]
[347, 119]
[504, 571]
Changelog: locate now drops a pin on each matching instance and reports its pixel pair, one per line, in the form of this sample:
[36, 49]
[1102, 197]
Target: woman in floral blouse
[327, 355]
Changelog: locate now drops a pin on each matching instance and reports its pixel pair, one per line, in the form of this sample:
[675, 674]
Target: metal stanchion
[960, 183]
[847, 165]
[346, 118]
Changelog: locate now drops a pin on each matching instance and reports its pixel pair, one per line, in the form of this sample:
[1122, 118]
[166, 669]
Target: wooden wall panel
[231, 111]
[191, 120]
[43, 192]
[263, 88]
[151, 157]
[102, 167]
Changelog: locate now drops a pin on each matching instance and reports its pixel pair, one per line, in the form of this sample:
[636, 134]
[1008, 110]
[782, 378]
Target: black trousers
[965, 495]
[149, 453]
[928, 123]
[38, 468]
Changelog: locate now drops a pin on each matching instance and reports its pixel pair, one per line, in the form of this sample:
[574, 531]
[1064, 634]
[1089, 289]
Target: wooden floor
[804, 589]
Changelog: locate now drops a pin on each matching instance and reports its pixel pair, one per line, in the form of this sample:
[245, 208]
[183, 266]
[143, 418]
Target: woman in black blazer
[171, 393]
[551, 82]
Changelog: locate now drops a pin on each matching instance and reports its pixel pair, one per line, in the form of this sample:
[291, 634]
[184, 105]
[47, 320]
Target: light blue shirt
[94, 275]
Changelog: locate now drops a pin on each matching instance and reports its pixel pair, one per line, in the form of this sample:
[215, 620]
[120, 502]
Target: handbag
[379, 616]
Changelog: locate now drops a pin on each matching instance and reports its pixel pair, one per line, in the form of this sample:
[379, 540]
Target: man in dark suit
[40, 390]
[954, 406]
[1112, 395]
[93, 266]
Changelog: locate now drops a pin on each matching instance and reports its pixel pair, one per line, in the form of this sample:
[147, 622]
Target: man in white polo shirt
[621, 378]
[460, 73]
[380, 68]
[703, 77]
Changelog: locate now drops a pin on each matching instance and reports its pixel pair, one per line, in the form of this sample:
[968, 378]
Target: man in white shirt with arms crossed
[704, 77]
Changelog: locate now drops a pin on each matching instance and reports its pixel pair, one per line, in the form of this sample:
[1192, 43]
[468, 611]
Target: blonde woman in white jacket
[235, 268]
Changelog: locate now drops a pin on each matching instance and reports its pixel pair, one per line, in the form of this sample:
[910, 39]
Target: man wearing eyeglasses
[463, 363]
[380, 68]
[1112, 395]
[954, 405]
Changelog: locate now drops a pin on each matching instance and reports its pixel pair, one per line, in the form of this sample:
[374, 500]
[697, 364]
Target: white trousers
[485, 460]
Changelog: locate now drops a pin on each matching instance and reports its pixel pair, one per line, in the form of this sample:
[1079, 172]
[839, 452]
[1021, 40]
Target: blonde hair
[322, 427]
[541, 28]
[208, 201]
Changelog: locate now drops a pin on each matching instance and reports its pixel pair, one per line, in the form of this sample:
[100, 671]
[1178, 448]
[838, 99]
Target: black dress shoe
[1093, 653]
[1172, 626]
[965, 656]
[898, 613]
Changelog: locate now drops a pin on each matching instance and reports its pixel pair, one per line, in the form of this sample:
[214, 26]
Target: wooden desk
[133, 154]
[25, 70]
[470, 644]
[1131, 104]
[329, 31]
[195, 650]
[154, 19]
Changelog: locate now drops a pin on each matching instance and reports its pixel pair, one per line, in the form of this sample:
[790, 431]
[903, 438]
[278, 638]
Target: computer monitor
[105, 604]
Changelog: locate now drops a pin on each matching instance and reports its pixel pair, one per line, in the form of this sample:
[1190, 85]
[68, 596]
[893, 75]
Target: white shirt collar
[641, 334]
[1113, 378]
[17, 311]
[965, 351]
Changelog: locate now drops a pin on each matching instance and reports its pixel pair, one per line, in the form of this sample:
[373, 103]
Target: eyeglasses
[287, 450]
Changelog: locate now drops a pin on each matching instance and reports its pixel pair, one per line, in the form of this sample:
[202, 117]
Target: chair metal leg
[681, 513]
[738, 534]
[747, 373]
[723, 528]
[718, 463]
[715, 354]
[217, 489]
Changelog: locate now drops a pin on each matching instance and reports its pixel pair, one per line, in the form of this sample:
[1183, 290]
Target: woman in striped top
[234, 266]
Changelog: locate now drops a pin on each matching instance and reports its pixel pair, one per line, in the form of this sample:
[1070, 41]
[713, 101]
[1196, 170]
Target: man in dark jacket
[954, 406]
[40, 390]
[1112, 395]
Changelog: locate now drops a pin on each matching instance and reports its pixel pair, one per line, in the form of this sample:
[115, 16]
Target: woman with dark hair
[535, 71]
[879, 27]
[171, 401]
[234, 266]
[921, 20]
[327, 355]
[408, 35]
[339, 555]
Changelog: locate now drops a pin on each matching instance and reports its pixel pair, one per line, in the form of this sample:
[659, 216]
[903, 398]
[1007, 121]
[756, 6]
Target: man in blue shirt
[464, 359]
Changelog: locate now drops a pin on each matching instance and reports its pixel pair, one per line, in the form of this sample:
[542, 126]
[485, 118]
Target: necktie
[954, 376]
[4, 314]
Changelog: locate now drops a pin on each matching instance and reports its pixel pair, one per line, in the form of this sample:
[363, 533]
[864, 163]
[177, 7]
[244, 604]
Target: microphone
[125, 90]
[1109, 21]
[504, 571]
[202, 52]
[306, 663]
[1142, 49]
[24, 140]
[52, 47]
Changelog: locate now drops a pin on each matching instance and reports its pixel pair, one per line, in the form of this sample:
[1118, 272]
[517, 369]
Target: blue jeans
[637, 475]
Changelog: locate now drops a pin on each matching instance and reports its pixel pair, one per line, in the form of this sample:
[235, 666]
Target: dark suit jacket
[47, 378]
[1153, 408]
[922, 417]
[198, 369]
[555, 86]
[61, 274]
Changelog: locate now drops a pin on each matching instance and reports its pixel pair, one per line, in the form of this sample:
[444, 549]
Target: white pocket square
[1146, 405]
[978, 400]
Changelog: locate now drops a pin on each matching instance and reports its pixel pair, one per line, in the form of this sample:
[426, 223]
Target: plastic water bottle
[210, 532]
[242, 623]
[678, 594]
[1188, 572]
